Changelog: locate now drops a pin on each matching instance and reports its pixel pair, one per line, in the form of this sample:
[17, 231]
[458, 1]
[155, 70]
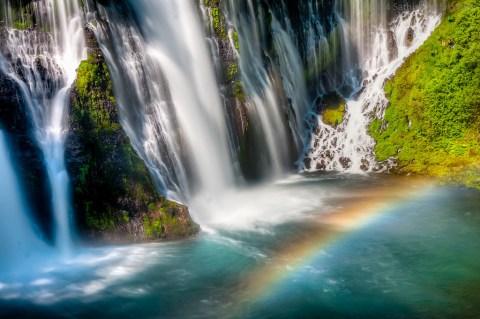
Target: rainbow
[362, 209]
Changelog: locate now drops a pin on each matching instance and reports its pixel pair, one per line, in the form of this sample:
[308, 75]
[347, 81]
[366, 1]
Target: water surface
[314, 246]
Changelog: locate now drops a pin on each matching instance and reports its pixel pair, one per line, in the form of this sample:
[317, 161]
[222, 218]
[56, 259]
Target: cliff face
[114, 196]
[432, 123]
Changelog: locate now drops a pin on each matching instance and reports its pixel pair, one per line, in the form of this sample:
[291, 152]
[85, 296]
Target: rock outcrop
[114, 196]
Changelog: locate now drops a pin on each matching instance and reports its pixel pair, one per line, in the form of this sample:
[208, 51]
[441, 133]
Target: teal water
[416, 258]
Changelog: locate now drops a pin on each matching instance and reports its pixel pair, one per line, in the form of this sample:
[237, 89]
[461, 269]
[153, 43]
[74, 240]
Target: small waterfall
[17, 237]
[382, 46]
[276, 95]
[42, 57]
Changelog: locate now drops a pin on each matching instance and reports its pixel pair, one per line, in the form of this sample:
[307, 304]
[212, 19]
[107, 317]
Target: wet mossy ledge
[114, 197]
[333, 111]
[432, 124]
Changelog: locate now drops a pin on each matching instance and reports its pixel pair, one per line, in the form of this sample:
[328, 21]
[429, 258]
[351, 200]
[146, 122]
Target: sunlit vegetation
[432, 125]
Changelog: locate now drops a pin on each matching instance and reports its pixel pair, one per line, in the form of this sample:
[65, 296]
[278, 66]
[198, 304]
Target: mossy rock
[112, 187]
[333, 110]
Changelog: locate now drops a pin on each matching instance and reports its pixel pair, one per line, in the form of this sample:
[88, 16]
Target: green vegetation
[334, 110]
[235, 40]
[432, 123]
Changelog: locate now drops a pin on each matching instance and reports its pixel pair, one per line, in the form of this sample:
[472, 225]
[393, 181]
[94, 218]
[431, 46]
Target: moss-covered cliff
[432, 124]
[114, 196]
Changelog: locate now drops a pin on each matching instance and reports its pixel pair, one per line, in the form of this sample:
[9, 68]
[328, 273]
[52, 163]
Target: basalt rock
[114, 196]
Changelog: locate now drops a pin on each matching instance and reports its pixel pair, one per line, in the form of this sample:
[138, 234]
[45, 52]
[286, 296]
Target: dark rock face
[114, 196]
[25, 152]
[392, 45]
[410, 36]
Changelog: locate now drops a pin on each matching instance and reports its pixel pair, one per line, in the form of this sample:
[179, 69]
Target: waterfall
[290, 57]
[178, 123]
[276, 95]
[17, 236]
[381, 45]
[42, 56]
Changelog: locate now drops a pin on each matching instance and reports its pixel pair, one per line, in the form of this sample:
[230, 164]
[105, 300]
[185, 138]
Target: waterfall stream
[179, 126]
[43, 62]
[17, 235]
[382, 46]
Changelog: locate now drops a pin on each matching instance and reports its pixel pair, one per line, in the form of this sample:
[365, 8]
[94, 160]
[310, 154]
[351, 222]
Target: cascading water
[43, 61]
[17, 236]
[276, 95]
[178, 125]
[382, 47]
[290, 55]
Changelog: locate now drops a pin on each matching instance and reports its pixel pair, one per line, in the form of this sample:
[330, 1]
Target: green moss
[333, 117]
[235, 40]
[232, 71]
[334, 110]
[432, 123]
[238, 90]
[20, 25]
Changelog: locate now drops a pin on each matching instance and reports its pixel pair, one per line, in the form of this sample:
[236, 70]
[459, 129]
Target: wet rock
[321, 166]
[410, 36]
[345, 162]
[334, 142]
[365, 165]
[307, 162]
[392, 46]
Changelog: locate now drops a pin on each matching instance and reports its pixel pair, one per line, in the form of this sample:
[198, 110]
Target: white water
[44, 65]
[164, 79]
[17, 236]
[348, 147]
[276, 96]
[180, 127]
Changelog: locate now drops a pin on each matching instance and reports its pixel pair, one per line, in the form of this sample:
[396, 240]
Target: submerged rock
[114, 196]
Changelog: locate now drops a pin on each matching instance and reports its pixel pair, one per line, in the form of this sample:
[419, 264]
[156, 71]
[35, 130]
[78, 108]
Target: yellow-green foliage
[218, 19]
[334, 110]
[235, 40]
[162, 221]
[94, 88]
[333, 117]
[432, 124]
